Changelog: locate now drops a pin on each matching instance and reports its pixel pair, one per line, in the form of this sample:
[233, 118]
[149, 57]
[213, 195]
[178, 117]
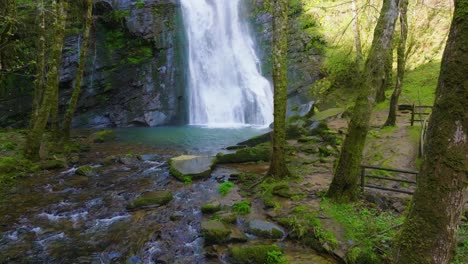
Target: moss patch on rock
[257, 254]
[151, 199]
[261, 152]
[215, 232]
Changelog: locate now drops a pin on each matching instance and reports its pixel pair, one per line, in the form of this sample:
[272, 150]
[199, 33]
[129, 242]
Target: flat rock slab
[193, 167]
[265, 229]
[151, 199]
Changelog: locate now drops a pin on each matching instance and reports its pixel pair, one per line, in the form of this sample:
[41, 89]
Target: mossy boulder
[227, 217]
[52, 164]
[103, 136]
[151, 199]
[86, 171]
[215, 232]
[265, 229]
[211, 207]
[261, 152]
[187, 167]
[257, 254]
[109, 160]
[282, 190]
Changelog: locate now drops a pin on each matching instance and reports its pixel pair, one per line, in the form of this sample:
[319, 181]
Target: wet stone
[151, 199]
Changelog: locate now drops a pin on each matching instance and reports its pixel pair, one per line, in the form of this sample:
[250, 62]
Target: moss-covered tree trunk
[7, 27]
[428, 234]
[344, 186]
[33, 141]
[40, 64]
[280, 48]
[79, 76]
[401, 64]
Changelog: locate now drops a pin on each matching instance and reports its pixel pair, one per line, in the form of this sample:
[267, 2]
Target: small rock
[237, 236]
[176, 216]
[211, 207]
[151, 199]
[399, 207]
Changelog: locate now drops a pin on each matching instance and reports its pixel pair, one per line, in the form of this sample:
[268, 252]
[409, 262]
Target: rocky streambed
[130, 209]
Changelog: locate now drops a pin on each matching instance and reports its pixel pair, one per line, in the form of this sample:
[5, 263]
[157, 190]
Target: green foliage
[276, 257]
[461, 254]
[367, 228]
[242, 207]
[116, 16]
[225, 187]
[140, 4]
[103, 136]
[13, 167]
[420, 84]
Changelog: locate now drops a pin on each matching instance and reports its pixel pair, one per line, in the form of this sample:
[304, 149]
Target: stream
[63, 217]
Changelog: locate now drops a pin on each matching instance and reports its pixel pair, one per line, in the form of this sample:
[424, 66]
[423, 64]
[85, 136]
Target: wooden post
[363, 175]
[412, 115]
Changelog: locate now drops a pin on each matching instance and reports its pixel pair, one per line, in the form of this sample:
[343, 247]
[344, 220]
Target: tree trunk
[79, 76]
[33, 141]
[357, 34]
[40, 64]
[344, 186]
[280, 48]
[428, 234]
[391, 120]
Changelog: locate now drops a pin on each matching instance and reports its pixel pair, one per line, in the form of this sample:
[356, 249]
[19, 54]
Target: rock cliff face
[136, 73]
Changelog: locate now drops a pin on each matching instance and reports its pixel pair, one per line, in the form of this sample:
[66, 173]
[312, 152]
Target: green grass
[420, 84]
[225, 187]
[366, 228]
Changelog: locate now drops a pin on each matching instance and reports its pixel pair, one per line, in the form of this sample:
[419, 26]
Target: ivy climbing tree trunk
[79, 76]
[40, 64]
[33, 141]
[344, 186]
[280, 48]
[428, 234]
[391, 119]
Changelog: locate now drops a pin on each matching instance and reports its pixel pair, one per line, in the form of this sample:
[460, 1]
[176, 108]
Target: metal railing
[380, 177]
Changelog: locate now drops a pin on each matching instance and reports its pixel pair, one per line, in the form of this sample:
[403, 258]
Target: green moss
[242, 207]
[156, 198]
[13, 167]
[225, 187]
[258, 254]
[140, 4]
[261, 152]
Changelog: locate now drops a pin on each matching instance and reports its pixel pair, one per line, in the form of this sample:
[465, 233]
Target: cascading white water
[226, 87]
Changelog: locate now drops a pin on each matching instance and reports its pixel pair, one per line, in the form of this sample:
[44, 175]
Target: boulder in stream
[86, 170]
[187, 167]
[257, 254]
[151, 199]
[215, 232]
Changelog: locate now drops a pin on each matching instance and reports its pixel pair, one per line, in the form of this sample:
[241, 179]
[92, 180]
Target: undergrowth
[370, 231]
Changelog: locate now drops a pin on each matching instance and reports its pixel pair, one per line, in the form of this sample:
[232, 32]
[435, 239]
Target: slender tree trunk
[344, 186]
[40, 64]
[357, 34]
[280, 48]
[391, 120]
[428, 234]
[33, 141]
[79, 76]
[8, 14]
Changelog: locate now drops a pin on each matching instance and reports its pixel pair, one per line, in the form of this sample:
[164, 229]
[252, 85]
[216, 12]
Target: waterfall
[225, 84]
